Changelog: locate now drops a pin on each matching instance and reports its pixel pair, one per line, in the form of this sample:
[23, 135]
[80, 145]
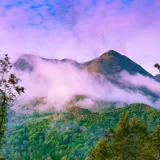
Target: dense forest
[72, 134]
[130, 140]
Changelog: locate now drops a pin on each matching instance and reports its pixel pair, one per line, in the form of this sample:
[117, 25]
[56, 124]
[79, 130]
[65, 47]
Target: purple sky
[82, 29]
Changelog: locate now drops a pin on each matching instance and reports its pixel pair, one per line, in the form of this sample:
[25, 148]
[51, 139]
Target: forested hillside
[68, 135]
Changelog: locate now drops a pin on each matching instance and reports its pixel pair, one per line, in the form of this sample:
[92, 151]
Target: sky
[81, 29]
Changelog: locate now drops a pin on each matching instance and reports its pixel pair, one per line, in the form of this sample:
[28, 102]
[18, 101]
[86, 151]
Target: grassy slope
[68, 135]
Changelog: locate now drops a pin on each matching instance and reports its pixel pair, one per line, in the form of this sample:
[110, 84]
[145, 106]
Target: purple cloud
[81, 30]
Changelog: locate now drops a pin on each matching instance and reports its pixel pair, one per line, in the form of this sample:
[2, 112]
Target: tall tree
[9, 90]
[156, 142]
[156, 134]
[130, 140]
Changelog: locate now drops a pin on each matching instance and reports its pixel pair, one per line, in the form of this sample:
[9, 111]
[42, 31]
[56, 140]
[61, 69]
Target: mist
[141, 81]
[60, 82]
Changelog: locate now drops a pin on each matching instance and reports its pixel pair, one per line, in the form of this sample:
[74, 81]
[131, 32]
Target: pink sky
[83, 30]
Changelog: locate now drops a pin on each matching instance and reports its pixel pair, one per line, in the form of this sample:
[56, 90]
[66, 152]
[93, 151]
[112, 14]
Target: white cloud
[141, 81]
[60, 82]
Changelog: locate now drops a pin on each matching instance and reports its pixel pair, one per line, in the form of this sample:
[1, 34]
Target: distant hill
[26, 62]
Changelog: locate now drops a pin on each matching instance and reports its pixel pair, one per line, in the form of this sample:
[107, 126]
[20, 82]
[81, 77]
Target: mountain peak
[109, 63]
[25, 62]
[112, 62]
[110, 54]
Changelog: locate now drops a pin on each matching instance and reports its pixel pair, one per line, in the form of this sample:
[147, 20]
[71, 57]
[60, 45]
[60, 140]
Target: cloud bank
[141, 81]
[59, 83]
[82, 29]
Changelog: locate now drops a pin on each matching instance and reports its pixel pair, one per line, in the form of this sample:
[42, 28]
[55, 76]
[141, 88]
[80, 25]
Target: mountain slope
[55, 136]
[27, 62]
[113, 62]
[109, 63]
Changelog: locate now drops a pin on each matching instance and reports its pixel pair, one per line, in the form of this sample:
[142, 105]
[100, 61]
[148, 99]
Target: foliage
[75, 110]
[130, 140]
[69, 136]
[157, 66]
[111, 63]
[156, 141]
[9, 89]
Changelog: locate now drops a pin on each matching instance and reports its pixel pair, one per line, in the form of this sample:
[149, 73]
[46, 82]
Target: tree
[101, 151]
[156, 142]
[130, 140]
[9, 90]
[157, 66]
[156, 134]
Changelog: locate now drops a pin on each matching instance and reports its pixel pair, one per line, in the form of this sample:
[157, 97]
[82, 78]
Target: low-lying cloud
[59, 83]
[141, 81]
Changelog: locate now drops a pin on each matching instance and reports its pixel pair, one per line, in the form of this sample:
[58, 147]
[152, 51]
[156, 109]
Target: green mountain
[67, 135]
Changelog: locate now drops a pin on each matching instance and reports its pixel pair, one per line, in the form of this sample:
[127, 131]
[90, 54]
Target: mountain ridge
[112, 62]
[108, 63]
[26, 62]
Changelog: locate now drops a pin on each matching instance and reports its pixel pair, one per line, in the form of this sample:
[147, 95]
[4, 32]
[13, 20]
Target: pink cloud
[132, 30]
[141, 81]
[58, 83]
